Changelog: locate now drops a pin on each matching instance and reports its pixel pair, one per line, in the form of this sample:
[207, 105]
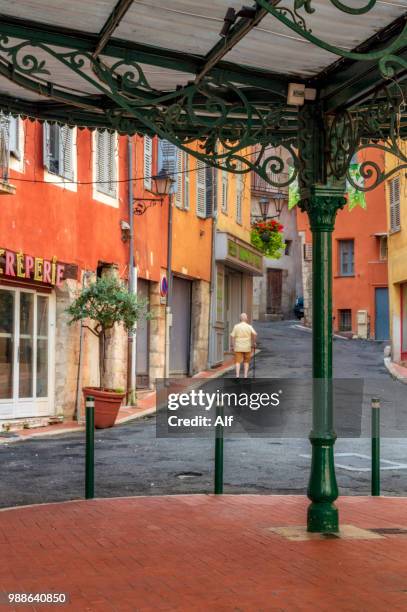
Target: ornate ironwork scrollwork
[379, 124]
[218, 116]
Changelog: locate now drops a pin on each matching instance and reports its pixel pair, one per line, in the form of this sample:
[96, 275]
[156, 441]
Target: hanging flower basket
[267, 237]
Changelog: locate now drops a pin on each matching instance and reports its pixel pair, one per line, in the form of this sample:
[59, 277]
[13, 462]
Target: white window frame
[97, 194]
[56, 179]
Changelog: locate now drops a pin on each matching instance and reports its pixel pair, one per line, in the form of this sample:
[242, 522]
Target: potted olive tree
[105, 303]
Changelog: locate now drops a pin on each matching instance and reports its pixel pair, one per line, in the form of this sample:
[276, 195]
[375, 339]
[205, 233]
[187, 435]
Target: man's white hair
[243, 316]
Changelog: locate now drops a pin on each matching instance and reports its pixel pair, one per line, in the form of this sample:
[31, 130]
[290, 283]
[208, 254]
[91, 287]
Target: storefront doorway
[233, 302]
[27, 331]
[403, 292]
[181, 327]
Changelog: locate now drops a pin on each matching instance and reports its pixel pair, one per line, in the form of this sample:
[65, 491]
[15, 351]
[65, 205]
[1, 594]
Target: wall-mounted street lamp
[161, 186]
[264, 205]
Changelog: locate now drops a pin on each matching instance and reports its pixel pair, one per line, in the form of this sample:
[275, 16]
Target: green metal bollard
[219, 453]
[90, 448]
[375, 446]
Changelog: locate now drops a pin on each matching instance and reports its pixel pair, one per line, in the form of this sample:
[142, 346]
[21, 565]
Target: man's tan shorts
[245, 357]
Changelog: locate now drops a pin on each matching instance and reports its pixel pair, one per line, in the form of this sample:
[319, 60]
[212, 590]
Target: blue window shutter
[167, 159]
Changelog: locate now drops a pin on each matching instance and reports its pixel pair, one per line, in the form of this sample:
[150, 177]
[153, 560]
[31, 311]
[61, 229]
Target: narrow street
[130, 460]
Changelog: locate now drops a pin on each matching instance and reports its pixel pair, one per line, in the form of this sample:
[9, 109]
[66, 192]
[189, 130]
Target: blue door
[382, 314]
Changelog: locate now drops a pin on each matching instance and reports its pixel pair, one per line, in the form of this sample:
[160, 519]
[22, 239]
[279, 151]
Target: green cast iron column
[321, 206]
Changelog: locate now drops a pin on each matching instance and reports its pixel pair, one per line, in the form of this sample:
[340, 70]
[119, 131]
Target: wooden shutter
[148, 161]
[201, 189]
[46, 145]
[395, 204]
[168, 159]
[106, 172]
[186, 180]
[66, 152]
[224, 191]
[239, 197]
[112, 143]
[180, 179]
[210, 188]
[13, 136]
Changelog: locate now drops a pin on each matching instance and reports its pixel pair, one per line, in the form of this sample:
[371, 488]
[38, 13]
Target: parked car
[299, 308]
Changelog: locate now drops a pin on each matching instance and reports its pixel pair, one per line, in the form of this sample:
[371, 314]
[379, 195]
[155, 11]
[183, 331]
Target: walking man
[243, 339]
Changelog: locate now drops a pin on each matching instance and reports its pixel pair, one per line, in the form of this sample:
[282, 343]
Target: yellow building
[235, 260]
[396, 197]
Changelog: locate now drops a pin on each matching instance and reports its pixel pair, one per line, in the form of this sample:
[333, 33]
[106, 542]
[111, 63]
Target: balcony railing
[260, 186]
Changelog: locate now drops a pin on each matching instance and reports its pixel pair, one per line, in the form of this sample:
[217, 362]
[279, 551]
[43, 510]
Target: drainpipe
[168, 313]
[131, 377]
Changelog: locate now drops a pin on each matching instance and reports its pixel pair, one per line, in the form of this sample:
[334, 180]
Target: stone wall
[200, 325]
[157, 334]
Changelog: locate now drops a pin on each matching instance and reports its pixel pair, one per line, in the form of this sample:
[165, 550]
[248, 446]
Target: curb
[393, 370]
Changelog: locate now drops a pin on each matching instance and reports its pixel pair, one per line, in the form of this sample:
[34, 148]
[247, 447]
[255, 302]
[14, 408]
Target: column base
[322, 517]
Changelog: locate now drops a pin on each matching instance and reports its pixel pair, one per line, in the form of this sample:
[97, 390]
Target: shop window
[106, 163]
[394, 195]
[346, 257]
[58, 150]
[148, 161]
[345, 320]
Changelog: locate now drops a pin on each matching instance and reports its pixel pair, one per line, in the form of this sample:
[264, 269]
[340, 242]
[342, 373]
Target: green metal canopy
[323, 79]
[214, 71]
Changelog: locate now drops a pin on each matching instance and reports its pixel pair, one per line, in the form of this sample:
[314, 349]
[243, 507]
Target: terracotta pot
[107, 405]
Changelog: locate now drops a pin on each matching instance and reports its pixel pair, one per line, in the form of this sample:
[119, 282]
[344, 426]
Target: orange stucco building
[65, 219]
[360, 281]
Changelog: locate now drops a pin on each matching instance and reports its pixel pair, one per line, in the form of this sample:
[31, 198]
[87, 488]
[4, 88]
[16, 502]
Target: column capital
[322, 204]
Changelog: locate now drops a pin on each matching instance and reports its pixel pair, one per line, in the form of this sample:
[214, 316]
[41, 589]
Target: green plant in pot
[102, 305]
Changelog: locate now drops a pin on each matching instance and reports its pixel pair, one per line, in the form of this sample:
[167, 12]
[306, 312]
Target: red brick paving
[202, 553]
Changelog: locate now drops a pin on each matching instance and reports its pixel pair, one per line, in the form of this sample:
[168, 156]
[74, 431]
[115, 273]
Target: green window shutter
[201, 190]
[148, 161]
[66, 153]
